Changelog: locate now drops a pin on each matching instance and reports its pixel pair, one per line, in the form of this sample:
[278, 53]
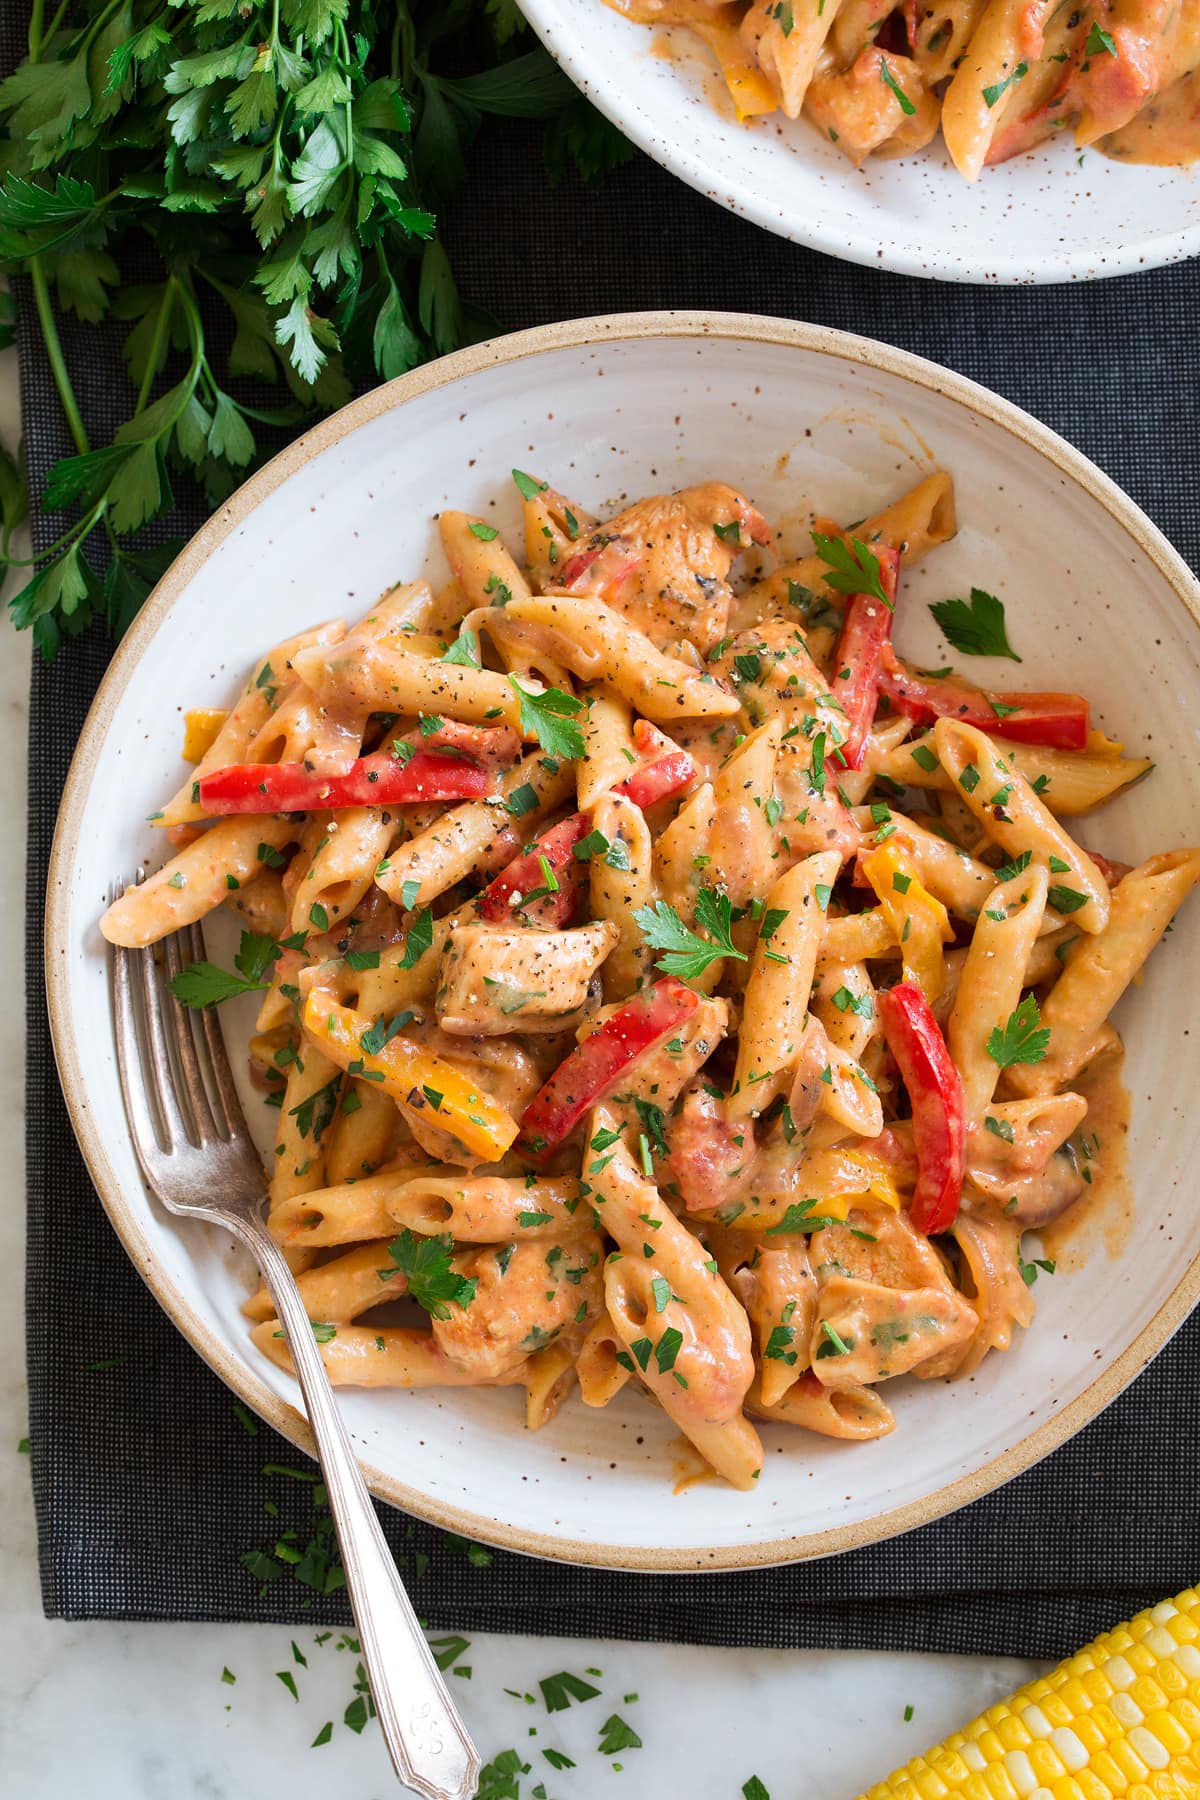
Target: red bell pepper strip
[1058, 720]
[525, 875]
[665, 774]
[606, 563]
[866, 629]
[595, 1066]
[935, 1093]
[377, 780]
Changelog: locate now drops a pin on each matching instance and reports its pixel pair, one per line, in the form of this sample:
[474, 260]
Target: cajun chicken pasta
[663, 984]
[994, 77]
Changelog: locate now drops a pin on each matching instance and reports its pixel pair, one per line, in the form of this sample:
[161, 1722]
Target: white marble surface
[141, 1712]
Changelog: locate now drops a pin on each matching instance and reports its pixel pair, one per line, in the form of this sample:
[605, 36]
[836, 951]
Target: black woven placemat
[149, 1489]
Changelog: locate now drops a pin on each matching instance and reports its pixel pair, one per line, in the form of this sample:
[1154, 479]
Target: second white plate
[1053, 215]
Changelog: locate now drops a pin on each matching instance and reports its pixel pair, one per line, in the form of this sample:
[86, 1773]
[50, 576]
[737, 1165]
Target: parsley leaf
[1023, 1038]
[431, 1279]
[977, 627]
[852, 569]
[689, 955]
[549, 718]
[204, 984]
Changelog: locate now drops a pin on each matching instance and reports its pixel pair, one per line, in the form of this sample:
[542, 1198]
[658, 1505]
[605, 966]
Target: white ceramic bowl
[1048, 216]
[800, 418]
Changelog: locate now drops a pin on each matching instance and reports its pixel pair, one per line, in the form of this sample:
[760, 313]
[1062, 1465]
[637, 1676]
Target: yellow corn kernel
[1118, 1721]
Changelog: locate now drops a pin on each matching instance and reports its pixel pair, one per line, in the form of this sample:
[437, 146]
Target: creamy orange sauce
[1104, 1213]
[1166, 131]
[688, 1467]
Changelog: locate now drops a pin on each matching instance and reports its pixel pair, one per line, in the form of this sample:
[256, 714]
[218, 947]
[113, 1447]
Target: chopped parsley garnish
[729, 534]
[1000, 1128]
[687, 954]
[1099, 43]
[511, 999]
[861, 1004]
[834, 1345]
[1065, 899]
[889, 80]
[975, 627]
[432, 1281]
[522, 800]
[315, 1114]
[800, 1217]
[924, 758]
[548, 716]
[485, 533]
[362, 959]
[969, 779]
[594, 844]
[992, 94]
[616, 1735]
[527, 486]
[377, 1036]
[1016, 865]
[558, 1691]
[464, 650]
[1029, 1270]
[419, 938]
[1023, 1038]
[776, 1348]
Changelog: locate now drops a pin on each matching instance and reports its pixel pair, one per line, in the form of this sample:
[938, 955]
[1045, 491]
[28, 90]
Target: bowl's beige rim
[123, 1214]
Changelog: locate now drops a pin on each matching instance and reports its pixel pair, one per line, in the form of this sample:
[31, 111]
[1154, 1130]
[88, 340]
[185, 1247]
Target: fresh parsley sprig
[432, 1280]
[1022, 1039]
[687, 954]
[976, 627]
[205, 984]
[281, 161]
[851, 567]
[549, 716]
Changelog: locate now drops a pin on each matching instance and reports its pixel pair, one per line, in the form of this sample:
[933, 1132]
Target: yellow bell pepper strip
[921, 923]
[424, 1086]
[200, 727]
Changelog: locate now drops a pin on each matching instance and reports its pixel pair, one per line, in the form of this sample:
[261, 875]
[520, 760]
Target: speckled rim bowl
[795, 413]
[1051, 215]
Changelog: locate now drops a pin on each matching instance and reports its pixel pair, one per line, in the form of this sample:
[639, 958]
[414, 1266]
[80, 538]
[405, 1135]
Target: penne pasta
[673, 1060]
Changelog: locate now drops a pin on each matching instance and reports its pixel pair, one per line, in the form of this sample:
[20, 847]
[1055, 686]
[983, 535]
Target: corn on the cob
[1121, 1718]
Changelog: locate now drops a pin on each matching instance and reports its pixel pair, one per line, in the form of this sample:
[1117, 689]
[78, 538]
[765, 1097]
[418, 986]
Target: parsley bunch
[275, 161]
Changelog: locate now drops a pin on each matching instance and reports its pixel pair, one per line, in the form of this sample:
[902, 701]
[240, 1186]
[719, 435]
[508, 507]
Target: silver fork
[197, 1155]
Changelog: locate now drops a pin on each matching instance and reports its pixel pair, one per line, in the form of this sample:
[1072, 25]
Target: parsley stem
[54, 351]
[157, 342]
[35, 30]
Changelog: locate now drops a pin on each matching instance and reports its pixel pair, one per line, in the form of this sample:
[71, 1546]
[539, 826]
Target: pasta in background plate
[996, 77]
[664, 984]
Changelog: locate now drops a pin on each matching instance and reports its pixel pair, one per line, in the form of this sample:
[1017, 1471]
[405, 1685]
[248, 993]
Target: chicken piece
[525, 1295]
[859, 109]
[991, 1247]
[886, 1302]
[708, 1154]
[664, 563]
[1020, 1157]
[496, 981]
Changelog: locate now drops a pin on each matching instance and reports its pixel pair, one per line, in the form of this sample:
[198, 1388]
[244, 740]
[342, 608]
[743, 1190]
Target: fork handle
[426, 1738]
